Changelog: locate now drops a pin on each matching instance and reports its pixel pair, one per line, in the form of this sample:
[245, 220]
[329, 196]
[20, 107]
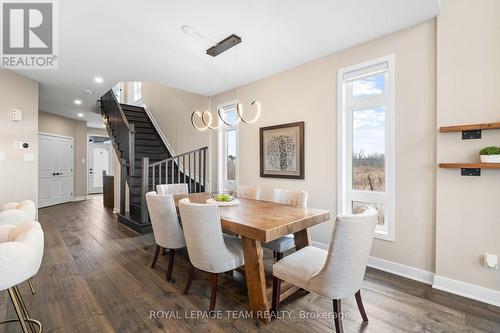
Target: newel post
[145, 189]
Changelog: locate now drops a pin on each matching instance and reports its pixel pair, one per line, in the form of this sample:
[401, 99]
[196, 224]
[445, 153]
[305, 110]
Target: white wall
[468, 83]
[18, 178]
[172, 110]
[309, 93]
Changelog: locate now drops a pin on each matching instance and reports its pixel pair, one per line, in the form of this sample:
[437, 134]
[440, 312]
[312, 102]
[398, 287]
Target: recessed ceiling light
[80, 115]
[78, 102]
[187, 29]
[98, 79]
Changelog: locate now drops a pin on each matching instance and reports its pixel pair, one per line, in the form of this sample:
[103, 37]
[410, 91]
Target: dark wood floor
[95, 277]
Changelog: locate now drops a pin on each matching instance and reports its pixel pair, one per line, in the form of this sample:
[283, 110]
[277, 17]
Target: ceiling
[129, 40]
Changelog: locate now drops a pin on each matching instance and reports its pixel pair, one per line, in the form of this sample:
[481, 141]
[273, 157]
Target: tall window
[228, 148]
[137, 90]
[366, 140]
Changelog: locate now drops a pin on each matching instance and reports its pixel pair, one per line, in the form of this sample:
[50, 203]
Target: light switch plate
[16, 114]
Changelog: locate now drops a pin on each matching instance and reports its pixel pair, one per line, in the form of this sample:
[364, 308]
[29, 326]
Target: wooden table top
[262, 220]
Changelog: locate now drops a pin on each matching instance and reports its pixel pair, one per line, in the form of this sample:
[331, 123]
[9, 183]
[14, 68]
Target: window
[137, 90]
[366, 140]
[228, 148]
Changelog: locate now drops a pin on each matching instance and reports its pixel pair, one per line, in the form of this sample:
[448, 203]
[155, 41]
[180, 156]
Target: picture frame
[282, 151]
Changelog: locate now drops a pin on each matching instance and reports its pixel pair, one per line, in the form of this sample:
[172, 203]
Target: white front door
[99, 160]
[55, 167]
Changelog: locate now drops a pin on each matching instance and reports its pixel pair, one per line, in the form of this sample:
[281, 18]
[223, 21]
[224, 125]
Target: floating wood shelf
[471, 127]
[470, 165]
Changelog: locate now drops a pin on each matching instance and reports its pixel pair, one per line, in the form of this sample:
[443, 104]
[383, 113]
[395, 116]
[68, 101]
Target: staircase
[146, 161]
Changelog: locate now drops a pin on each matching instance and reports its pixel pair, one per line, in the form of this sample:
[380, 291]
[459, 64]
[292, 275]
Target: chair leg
[361, 308]
[190, 279]
[170, 265]
[17, 307]
[276, 296]
[28, 324]
[337, 312]
[157, 253]
[32, 287]
[213, 295]
[279, 256]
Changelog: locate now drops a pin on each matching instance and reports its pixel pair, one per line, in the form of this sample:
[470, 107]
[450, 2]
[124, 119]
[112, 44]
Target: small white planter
[490, 158]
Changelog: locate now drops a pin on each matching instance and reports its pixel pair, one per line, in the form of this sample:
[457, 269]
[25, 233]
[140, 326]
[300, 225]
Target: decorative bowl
[223, 196]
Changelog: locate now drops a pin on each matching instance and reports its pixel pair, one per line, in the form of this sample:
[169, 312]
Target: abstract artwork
[282, 151]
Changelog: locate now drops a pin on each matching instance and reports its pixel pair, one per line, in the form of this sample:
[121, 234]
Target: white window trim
[222, 150]
[343, 142]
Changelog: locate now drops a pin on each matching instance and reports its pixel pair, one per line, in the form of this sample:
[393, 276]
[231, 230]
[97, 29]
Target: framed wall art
[282, 151]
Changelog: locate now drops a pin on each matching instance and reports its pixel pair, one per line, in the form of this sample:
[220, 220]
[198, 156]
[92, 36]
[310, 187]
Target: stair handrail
[120, 129]
[197, 161]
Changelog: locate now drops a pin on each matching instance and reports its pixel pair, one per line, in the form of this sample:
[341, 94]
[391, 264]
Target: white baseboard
[409, 272]
[80, 198]
[468, 290]
[464, 289]
[394, 268]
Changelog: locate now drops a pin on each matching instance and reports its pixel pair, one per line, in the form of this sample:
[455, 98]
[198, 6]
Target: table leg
[302, 239]
[256, 279]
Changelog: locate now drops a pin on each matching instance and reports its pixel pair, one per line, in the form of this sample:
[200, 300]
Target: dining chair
[14, 213]
[337, 273]
[248, 192]
[166, 228]
[21, 253]
[172, 189]
[208, 248]
[287, 197]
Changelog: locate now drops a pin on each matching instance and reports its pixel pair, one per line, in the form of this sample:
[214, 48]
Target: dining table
[258, 222]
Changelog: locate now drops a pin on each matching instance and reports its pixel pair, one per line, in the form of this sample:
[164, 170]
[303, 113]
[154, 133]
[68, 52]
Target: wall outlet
[16, 114]
[491, 260]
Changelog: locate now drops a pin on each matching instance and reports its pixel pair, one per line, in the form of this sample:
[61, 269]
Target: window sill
[384, 235]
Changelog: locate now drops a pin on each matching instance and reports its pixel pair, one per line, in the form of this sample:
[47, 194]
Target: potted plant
[490, 154]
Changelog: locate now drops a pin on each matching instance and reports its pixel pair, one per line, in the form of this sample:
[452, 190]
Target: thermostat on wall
[21, 145]
[16, 115]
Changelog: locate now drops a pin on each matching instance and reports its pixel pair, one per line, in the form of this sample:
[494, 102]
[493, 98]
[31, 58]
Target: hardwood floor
[96, 277]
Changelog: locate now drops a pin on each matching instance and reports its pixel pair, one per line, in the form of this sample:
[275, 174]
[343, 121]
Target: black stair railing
[189, 168]
[122, 134]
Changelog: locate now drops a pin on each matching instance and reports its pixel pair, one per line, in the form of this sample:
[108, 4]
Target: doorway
[99, 159]
[55, 169]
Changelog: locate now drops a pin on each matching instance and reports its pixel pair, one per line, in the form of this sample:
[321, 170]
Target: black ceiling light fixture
[224, 45]
[206, 117]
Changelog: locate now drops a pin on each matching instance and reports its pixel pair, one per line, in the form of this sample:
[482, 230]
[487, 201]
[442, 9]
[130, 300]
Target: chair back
[203, 232]
[21, 254]
[350, 245]
[166, 228]
[248, 192]
[17, 212]
[290, 197]
[172, 189]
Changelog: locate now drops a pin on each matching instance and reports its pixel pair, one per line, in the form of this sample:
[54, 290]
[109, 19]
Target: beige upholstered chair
[166, 228]
[21, 252]
[208, 248]
[13, 213]
[286, 197]
[172, 189]
[337, 273]
[248, 192]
